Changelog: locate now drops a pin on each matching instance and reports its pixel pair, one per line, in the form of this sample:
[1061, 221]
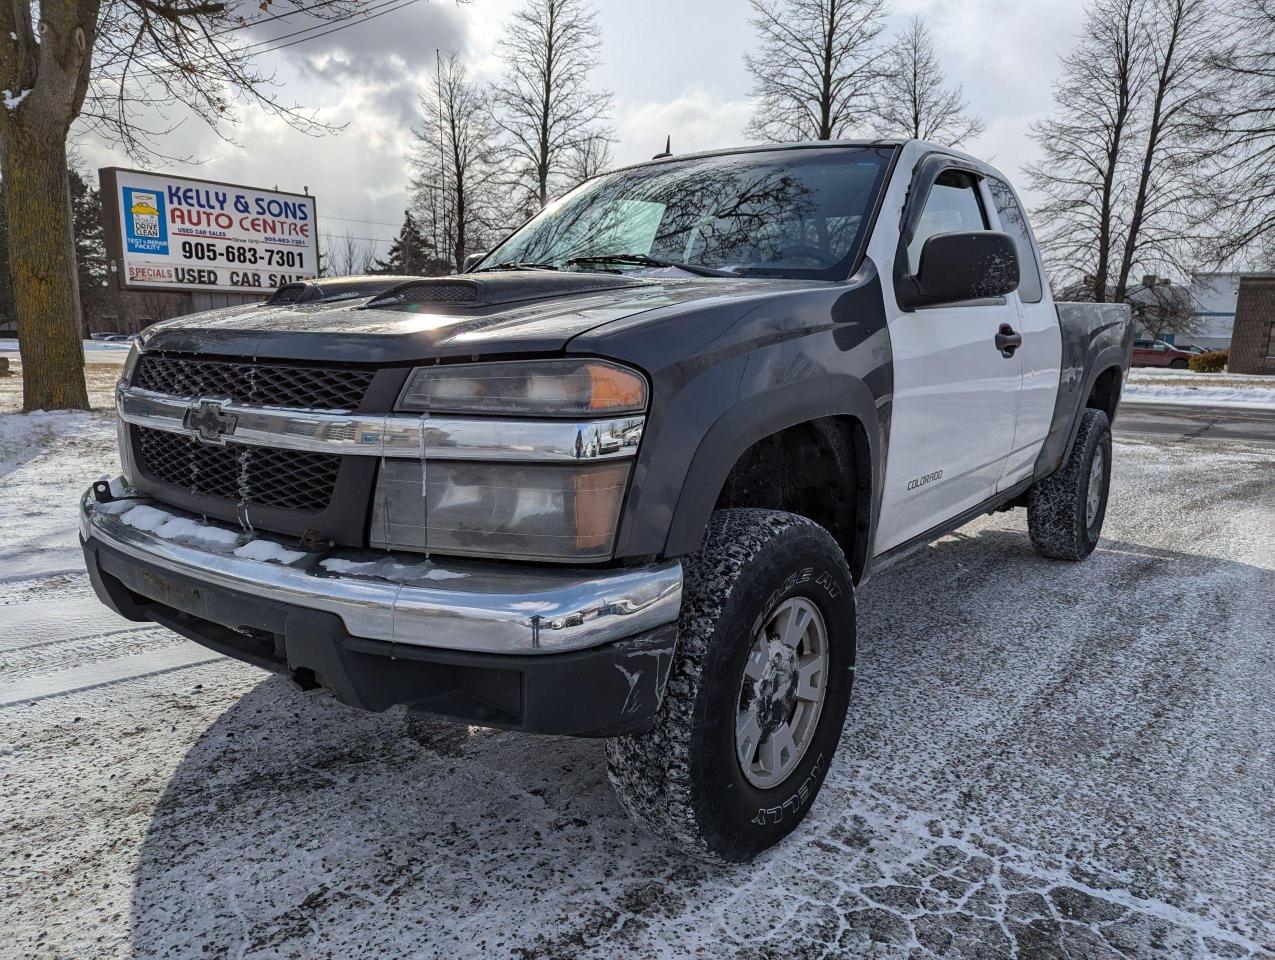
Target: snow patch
[114, 508]
[119, 348]
[1254, 398]
[14, 100]
[23, 434]
[267, 551]
[168, 527]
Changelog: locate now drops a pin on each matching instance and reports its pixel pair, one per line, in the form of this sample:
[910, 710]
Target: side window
[952, 207]
[1015, 224]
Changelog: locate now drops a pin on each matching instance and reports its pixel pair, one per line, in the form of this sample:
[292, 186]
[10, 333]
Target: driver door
[955, 394]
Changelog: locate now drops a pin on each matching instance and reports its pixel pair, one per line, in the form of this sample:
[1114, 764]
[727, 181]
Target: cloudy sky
[674, 66]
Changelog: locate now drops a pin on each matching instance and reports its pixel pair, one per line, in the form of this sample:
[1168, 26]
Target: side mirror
[962, 266]
[471, 261]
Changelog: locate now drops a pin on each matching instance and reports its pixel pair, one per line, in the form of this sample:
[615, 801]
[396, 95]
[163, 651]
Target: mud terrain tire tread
[659, 775]
[1056, 504]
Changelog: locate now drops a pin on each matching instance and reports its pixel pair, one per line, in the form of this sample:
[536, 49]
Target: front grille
[269, 385]
[255, 476]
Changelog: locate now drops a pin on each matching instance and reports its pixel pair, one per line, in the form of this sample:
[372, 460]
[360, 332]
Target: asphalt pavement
[1181, 422]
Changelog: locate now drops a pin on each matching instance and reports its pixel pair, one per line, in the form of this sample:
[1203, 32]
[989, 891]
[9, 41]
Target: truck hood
[521, 312]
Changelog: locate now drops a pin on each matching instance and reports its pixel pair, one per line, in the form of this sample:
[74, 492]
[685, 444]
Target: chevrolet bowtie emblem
[210, 421]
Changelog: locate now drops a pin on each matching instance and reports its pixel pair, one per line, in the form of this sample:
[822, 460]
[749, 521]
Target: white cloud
[699, 120]
[675, 68]
[358, 173]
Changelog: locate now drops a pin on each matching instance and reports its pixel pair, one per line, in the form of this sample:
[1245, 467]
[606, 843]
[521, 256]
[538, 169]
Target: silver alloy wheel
[781, 692]
[1094, 498]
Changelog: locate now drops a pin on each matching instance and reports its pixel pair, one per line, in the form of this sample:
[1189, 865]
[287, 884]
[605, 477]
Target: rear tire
[742, 687]
[1179, 364]
[1065, 511]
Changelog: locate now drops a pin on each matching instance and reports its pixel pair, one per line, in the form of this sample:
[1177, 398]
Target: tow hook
[102, 493]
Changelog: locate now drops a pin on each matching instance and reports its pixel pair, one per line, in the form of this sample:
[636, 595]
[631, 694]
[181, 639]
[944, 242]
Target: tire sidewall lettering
[786, 804]
[795, 804]
[824, 580]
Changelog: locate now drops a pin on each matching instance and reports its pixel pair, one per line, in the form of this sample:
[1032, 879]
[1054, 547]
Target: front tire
[1065, 510]
[1179, 364]
[758, 691]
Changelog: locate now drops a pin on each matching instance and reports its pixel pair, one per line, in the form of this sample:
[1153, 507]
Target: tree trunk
[42, 264]
[461, 214]
[1163, 80]
[825, 92]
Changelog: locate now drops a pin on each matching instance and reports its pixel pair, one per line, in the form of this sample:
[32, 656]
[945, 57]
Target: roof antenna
[668, 148]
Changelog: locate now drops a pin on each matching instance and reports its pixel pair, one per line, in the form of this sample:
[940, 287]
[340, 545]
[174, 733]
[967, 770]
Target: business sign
[171, 233]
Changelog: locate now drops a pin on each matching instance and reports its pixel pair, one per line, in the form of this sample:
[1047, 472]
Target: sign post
[201, 236]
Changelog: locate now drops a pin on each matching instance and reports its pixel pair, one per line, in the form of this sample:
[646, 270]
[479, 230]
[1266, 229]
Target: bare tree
[544, 104]
[346, 256]
[1085, 145]
[1126, 166]
[817, 68]
[591, 157]
[912, 100]
[1161, 308]
[1171, 182]
[110, 64]
[1243, 123]
[454, 163]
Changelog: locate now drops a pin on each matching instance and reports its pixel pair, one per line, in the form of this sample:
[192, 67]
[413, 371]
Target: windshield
[781, 213]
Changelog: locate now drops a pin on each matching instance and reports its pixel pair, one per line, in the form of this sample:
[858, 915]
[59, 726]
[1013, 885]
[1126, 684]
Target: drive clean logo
[145, 226]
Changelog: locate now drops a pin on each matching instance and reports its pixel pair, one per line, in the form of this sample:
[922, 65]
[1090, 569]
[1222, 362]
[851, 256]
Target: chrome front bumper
[485, 607]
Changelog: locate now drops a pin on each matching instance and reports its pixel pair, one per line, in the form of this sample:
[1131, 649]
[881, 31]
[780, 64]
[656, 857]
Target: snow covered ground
[93, 349]
[1042, 760]
[1184, 387]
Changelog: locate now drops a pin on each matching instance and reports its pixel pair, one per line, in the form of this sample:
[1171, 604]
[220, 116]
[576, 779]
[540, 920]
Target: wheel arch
[1104, 390]
[1102, 386]
[832, 421]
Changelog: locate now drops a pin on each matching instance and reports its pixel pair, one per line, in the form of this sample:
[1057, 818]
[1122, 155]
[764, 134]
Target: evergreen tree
[411, 253]
[97, 298]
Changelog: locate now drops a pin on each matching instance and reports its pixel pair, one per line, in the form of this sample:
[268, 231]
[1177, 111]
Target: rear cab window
[1014, 222]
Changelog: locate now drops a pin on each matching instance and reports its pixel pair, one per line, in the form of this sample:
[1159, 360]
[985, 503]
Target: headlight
[517, 508]
[531, 388]
[514, 511]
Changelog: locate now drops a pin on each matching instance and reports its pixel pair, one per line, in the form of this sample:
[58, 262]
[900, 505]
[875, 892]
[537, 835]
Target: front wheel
[757, 694]
[1179, 364]
[1066, 509]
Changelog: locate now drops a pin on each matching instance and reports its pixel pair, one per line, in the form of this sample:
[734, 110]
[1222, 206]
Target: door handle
[1007, 341]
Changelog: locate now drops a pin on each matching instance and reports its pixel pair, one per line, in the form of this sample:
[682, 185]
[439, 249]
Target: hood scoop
[498, 287]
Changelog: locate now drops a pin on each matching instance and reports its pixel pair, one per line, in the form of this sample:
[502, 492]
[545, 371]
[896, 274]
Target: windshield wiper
[516, 265]
[641, 259]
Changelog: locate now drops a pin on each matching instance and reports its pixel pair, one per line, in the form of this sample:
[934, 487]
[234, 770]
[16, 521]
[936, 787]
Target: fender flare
[761, 415]
[1111, 356]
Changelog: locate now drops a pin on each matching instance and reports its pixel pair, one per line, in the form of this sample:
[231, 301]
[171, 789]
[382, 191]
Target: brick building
[1253, 338]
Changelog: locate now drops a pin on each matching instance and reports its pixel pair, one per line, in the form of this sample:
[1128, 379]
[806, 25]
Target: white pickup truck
[625, 475]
